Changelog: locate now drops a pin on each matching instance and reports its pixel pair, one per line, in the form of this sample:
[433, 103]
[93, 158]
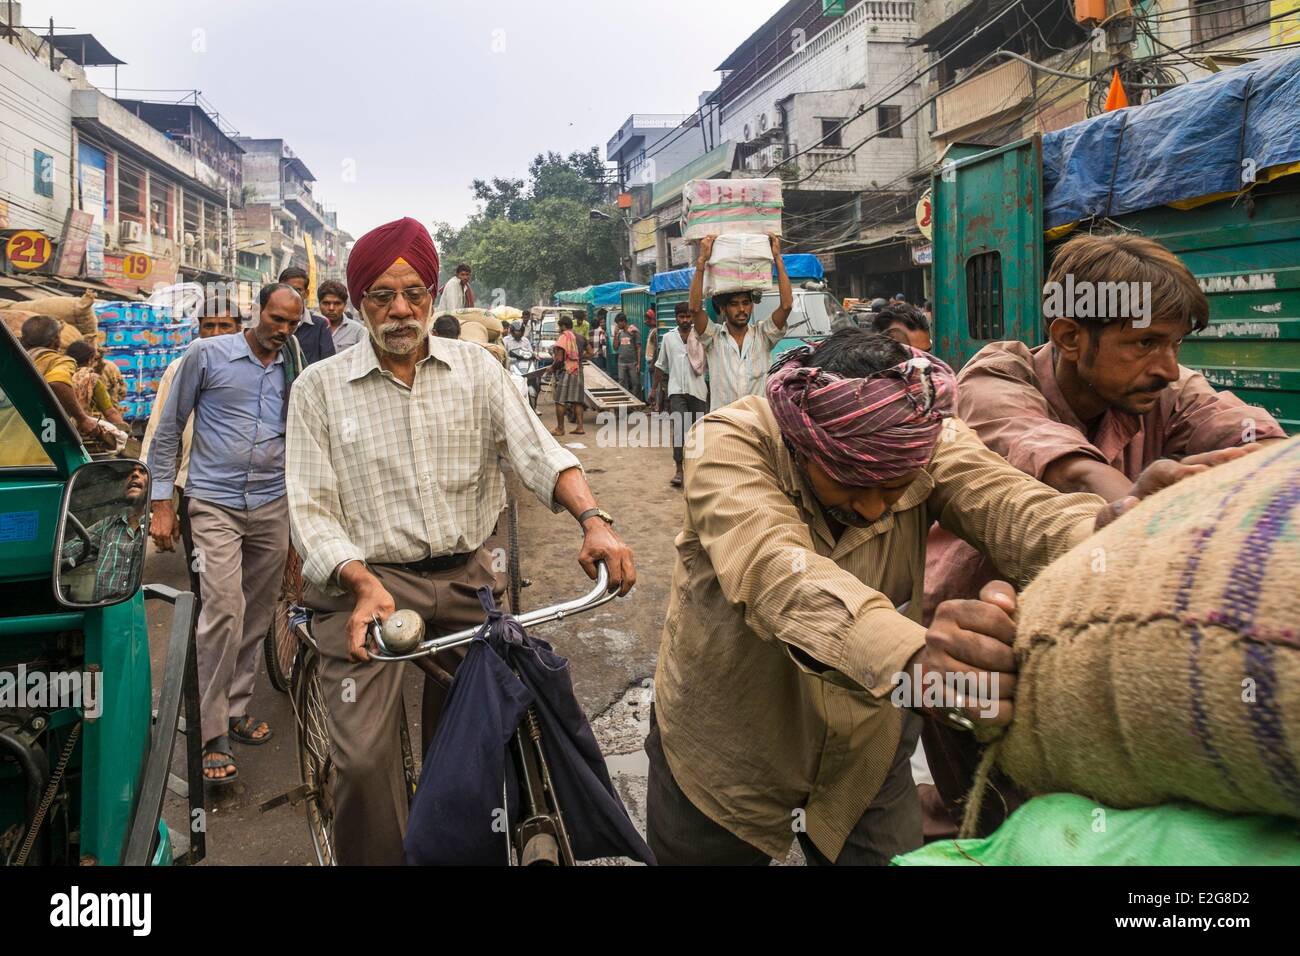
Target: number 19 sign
[137, 266]
[28, 250]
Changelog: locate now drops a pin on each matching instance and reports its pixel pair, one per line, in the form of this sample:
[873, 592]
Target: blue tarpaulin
[1195, 140]
[797, 266]
[598, 295]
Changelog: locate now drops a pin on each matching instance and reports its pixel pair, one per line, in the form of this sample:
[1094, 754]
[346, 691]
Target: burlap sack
[490, 323]
[1160, 659]
[76, 312]
[14, 319]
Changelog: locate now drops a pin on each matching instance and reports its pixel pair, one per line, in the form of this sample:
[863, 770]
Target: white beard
[382, 346]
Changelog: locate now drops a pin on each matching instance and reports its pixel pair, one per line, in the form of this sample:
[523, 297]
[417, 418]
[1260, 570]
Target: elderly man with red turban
[793, 617]
[394, 487]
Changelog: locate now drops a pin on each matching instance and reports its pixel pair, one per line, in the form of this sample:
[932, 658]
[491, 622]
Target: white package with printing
[719, 207]
[739, 263]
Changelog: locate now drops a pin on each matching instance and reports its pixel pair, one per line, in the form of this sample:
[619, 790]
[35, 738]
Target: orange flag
[1116, 98]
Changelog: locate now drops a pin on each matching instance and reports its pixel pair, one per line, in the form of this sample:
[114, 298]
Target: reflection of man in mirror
[116, 542]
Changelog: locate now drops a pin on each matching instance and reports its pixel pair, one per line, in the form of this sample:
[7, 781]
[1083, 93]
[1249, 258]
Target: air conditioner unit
[130, 231]
[762, 122]
[747, 133]
[776, 117]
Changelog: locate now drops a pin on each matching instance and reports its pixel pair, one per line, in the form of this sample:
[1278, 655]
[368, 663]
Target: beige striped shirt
[761, 591]
[388, 474]
[735, 372]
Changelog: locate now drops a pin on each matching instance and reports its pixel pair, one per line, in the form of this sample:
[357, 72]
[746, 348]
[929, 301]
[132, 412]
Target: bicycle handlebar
[598, 595]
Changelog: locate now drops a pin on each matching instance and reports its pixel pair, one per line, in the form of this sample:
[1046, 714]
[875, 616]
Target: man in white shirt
[739, 354]
[457, 294]
[681, 358]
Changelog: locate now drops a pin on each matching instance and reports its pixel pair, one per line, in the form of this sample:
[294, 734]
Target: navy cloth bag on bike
[468, 774]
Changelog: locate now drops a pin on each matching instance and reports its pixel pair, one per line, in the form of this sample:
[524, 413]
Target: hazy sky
[418, 97]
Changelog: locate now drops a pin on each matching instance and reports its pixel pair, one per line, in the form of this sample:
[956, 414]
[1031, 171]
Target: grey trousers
[680, 834]
[240, 559]
[686, 410]
[364, 701]
[629, 377]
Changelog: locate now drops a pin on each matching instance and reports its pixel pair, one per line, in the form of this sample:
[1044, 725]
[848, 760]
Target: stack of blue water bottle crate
[141, 340]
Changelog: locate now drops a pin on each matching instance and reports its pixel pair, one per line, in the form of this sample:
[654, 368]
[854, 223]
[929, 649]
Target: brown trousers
[682, 835]
[239, 556]
[364, 701]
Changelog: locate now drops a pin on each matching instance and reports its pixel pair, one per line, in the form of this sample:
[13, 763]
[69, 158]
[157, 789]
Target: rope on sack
[975, 799]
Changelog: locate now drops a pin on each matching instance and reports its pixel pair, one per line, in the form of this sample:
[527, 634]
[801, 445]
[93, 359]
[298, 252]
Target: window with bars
[211, 226]
[130, 192]
[162, 207]
[984, 296]
[1213, 18]
[832, 136]
[889, 120]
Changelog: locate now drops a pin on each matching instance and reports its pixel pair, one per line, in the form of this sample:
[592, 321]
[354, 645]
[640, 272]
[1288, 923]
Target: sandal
[243, 729]
[217, 756]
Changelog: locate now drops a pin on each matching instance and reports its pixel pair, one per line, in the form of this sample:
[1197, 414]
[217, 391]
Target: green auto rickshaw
[85, 760]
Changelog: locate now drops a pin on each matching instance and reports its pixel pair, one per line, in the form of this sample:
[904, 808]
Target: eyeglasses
[384, 298]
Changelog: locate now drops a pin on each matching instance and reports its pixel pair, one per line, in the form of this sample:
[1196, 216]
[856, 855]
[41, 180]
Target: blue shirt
[237, 455]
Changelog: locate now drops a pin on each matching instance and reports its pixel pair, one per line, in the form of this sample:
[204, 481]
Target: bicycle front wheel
[280, 646]
[314, 761]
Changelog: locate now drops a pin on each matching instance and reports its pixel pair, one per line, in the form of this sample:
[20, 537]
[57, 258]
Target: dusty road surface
[611, 653]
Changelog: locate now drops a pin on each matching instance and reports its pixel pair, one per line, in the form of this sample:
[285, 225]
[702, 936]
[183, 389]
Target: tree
[530, 239]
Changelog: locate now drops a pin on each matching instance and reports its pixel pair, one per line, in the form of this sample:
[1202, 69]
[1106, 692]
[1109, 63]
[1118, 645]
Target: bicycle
[540, 838]
[545, 843]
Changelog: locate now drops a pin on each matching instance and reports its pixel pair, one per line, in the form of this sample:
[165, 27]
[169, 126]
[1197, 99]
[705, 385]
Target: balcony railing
[982, 96]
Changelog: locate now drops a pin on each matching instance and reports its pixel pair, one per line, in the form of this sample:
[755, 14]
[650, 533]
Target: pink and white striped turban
[864, 431]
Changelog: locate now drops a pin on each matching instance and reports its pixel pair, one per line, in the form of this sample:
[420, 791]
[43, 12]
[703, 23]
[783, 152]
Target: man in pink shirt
[1101, 404]
[1103, 407]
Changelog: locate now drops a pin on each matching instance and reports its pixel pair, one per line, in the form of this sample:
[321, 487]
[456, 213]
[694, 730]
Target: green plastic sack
[1062, 829]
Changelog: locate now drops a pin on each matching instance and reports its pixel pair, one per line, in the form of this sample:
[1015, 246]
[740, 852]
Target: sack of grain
[78, 312]
[14, 319]
[1160, 659]
[720, 207]
[740, 263]
[490, 323]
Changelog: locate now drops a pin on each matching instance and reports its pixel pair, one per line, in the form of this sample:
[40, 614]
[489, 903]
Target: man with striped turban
[793, 620]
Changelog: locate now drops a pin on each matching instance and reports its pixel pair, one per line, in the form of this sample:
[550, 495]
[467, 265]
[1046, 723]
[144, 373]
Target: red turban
[864, 431]
[374, 253]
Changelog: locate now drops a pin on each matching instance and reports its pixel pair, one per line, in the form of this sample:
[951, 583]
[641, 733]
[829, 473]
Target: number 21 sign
[28, 250]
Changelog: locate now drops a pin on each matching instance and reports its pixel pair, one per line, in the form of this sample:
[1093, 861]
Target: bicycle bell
[403, 631]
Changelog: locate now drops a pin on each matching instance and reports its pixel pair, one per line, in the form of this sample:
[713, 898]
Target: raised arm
[783, 310]
[698, 313]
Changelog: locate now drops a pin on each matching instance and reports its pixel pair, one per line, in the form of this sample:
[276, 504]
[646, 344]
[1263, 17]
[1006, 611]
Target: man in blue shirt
[237, 388]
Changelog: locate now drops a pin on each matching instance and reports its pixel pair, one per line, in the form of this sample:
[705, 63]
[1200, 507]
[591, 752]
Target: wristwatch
[600, 513]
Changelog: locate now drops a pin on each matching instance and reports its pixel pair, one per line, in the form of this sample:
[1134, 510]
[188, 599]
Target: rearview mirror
[103, 526]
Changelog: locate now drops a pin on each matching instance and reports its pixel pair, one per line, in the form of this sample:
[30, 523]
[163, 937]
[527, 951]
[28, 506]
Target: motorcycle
[526, 374]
